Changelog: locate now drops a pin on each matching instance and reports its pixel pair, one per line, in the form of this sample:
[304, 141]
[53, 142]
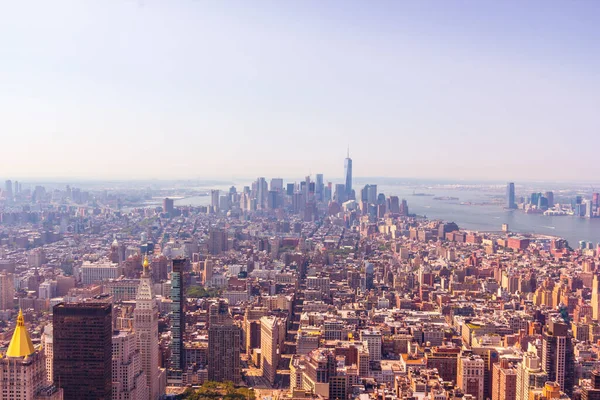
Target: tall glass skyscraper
[510, 196]
[177, 319]
[348, 175]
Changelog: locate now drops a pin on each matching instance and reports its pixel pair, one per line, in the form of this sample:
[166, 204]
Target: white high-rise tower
[146, 329]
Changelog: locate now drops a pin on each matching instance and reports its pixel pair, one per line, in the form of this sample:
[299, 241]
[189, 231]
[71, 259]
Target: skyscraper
[529, 374]
[272, 334]
[23, 369]
[217, 240]
[214, 200]
[129, 379]
[510, 196]
[319, 187]
[224, 340]
[557, 355]
[261, 193]
[145, 323]
[372, 194]
[348, 175]
[8, 190]
[48, 342]
[177, 319]
[550, 197]
[276, 185]
[83, 350]
[169, 206]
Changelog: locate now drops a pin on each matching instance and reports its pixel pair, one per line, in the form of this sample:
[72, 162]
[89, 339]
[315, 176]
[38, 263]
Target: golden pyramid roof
[146, 263]
[20, 344]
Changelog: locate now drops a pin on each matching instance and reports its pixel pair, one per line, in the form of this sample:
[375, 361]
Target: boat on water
[446, 198]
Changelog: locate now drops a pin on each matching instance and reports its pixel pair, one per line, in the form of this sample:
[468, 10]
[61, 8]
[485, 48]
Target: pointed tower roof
[20, 344]
[145, 290]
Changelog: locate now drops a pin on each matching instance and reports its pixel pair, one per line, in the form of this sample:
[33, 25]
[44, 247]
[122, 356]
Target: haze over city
[183, 89]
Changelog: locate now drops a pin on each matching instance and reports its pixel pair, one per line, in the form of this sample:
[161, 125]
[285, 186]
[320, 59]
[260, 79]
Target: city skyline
[422, 89]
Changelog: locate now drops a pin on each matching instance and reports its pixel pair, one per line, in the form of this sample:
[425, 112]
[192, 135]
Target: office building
[217, 241]
[176, 365]
[290, 189]
[272, 335]
[145, 323]
[224, 341]
[251, 325]
[169, 206]
[48, 343]
[273, 199]
[207, 272]
[550, 198]
[595, 297]
[261, 193]
[374, 340]
[8, 190]
[591, 391]
[372, 194]
[23, 369]
[445, 359]
[504, 381]
[276, 185]
[214, 200]
[348, 176]
[510, 196]
[530, 375]
[470, 375]
[83, 350]
[339, 194]
[103, 270]
[128, 377]
[394, 205]
[557, 355]
[319, 187]
[369, 276]
[320, 283]
[7, 291]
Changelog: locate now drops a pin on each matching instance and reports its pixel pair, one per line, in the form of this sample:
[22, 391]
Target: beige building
[145, 323]
[272, 335]
[470, 375]
[23, 369]
[128, 378]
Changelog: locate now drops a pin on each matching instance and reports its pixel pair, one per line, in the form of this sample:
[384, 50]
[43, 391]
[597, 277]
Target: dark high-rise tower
[319, 187]
[177, 318]
[557, 355]
[348, 175]
[169, 206]
[83, 350]
[510, 196]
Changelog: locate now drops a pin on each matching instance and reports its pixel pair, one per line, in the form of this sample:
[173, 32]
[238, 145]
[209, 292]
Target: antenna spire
[348, 151]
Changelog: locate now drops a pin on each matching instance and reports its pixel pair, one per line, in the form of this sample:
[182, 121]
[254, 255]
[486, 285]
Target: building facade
[83, 350]
[128, 377]
[145, 323]
[224, 341]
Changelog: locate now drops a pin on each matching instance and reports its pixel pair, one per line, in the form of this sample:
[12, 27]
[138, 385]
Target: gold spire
[146, 263]
[20, 344]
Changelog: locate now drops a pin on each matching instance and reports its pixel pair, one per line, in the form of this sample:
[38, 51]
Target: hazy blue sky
[182, 88]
